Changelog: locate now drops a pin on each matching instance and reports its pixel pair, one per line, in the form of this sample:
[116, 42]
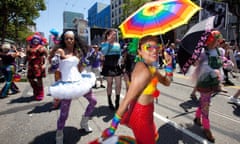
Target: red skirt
[140, 119]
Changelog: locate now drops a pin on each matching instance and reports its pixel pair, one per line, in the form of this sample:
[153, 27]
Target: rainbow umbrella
[158, 17]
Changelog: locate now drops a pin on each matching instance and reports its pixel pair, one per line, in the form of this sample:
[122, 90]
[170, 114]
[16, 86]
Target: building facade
[116, 12]
[68, 20]
[99, 15]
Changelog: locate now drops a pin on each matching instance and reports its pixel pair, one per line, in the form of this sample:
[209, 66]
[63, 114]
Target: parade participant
[172, 52]
[221, 49]
[168, 59]
[208, 76]
[111, 70]
[95, 64]
[136, 109]
[35, 55]
[74, 80]
[8, 69]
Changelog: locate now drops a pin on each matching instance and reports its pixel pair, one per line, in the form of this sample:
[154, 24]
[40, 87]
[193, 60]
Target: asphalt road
[25, 121]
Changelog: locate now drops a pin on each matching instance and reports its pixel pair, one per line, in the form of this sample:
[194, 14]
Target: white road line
[182, 129]
[224, 116]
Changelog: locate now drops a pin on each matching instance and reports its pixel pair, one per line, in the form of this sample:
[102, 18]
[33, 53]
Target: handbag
[228, 65]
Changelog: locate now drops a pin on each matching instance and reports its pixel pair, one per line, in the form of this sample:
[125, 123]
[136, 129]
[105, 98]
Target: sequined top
[151, 88]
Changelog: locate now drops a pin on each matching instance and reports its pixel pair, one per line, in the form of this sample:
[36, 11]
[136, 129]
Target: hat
[214, 35]
[6, 47]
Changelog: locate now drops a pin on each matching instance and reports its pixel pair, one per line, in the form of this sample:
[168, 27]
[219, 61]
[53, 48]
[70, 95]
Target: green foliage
[15, 15]
[132, 5]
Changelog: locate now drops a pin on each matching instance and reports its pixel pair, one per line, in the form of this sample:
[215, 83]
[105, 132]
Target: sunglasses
[148, 47]
[69, 39]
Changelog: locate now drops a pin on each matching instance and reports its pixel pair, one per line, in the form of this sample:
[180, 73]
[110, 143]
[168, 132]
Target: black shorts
[111, 70]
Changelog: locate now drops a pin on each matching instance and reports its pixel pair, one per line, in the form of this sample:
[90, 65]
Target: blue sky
[52, 17]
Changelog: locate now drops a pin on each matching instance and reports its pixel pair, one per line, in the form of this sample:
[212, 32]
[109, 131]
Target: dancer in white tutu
[74, 82]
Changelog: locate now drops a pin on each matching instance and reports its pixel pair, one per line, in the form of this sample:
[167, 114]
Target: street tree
[16, 16]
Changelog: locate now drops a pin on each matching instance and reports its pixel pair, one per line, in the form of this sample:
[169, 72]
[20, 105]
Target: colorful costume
[8, 69]
[207, 83]
[36, 54]
[140, 117]
[73, 84]
[168, 63]
[208, 74]
[36, 70]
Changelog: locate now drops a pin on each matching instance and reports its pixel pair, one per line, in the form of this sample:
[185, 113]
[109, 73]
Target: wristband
[111, 130]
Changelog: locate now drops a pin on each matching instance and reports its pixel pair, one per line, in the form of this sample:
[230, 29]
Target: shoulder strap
[206, 51]
[218, 52]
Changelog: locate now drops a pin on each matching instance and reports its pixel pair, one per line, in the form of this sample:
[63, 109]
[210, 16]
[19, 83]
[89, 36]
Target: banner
[217, 9]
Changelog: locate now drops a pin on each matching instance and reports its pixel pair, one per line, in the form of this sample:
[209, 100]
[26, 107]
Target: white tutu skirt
[75, 89]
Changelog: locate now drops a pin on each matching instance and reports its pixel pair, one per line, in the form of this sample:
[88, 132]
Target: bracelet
[115, 121]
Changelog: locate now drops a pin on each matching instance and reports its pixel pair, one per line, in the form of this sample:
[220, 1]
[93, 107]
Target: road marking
[182, 129]
[224, 116]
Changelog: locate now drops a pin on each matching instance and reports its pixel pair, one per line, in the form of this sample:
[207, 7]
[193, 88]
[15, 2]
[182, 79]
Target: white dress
[73, 84]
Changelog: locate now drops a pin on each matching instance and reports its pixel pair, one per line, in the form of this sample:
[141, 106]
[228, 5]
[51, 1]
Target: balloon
[54, 32]
[55, 38]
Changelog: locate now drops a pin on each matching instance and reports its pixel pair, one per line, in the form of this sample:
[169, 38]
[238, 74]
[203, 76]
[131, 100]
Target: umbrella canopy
[192, 42]
[158, 17]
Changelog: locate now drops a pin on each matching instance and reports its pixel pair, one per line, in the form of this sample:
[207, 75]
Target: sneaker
[14, 92]
[102, 86]
[95, 87]
[234, 100]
